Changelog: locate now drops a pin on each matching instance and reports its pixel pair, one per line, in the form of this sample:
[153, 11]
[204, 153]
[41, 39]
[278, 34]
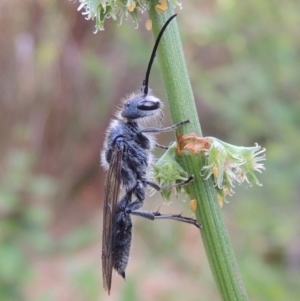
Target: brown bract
[193, 143]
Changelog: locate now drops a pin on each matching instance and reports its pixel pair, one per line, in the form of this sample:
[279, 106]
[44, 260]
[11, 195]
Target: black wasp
[126, 155]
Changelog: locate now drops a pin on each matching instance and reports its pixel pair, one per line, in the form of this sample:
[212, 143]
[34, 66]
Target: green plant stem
[182, 106]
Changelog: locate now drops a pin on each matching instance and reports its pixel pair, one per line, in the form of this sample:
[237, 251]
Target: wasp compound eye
[148, 105]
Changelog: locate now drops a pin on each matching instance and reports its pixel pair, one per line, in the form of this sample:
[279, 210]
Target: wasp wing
[112, 189]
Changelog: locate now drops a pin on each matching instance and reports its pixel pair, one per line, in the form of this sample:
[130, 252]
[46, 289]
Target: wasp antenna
[146, 80]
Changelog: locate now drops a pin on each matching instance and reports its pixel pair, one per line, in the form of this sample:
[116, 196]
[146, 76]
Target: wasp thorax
[141, 105]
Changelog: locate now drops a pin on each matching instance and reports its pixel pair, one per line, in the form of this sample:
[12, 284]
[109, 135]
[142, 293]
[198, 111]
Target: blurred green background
[59, 86]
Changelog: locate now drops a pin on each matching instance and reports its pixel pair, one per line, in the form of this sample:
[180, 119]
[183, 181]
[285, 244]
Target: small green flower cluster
[166, 171]
[100, 10]
[227, 164]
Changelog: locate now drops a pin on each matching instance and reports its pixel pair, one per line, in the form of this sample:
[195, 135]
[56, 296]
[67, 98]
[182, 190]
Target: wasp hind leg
[152, 215]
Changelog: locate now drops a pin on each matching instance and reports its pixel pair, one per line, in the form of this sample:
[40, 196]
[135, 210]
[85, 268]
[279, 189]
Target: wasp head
[141, 105]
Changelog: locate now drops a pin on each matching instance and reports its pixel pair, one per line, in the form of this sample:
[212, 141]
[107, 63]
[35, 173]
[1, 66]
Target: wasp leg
[152, 215]
[166, 129]
[140, 194]
[161, 146]
[160, 188]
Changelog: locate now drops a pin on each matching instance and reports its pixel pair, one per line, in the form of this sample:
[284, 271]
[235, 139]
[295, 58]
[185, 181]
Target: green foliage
[20, 219]
[254, 98]
[87, 282]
